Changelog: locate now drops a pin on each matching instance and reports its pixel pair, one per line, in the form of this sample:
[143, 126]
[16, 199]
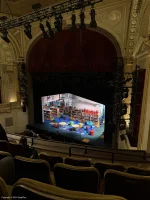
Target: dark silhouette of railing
[141, 156]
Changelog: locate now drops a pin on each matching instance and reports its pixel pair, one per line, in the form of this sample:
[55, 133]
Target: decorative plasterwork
[7, 107]
[133, 29]
[7, 52]
[112, 18]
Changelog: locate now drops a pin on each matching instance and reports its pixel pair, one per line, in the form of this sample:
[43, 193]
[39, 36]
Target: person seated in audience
[30, 150]
[3, 135]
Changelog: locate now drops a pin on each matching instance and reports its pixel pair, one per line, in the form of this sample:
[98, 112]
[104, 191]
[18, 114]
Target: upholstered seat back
[36, 169]
[52, 160]
[78, 162]
[77, 178]
[3, 188]
[102, 167]
[4, 154]
[17, 149]
[138, 171]
[131, 187]
[32, 189]
[4, 146]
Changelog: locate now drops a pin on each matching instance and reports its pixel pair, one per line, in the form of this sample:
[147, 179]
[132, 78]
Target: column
[144, 133]
[8, 91]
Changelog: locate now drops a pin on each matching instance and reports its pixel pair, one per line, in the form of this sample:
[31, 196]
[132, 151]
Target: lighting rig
[56, 11]
[121, 93]
[133, 100]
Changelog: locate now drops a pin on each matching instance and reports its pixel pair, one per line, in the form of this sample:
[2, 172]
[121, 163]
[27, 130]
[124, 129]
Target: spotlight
[93, 23]
[82, 17]
[58, 23]
[126, 81]
[125, 93]
[73, 18]
[27, 31]
[123, 109]
[122, 125]
[51, 32]
[43, 30]
[4, 36]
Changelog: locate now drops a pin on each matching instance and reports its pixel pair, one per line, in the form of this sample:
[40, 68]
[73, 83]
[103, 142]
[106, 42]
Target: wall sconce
[23, 105]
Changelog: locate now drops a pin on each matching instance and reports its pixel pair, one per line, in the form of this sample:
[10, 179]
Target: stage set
[74, 116]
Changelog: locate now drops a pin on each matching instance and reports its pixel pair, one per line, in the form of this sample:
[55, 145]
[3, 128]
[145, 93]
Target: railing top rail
[87, 147]
[109, 152]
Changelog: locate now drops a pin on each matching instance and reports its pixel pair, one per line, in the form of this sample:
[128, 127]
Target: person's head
[23, 141]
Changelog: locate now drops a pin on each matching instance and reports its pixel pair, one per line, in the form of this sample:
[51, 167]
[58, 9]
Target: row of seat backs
[13, 148]
[131, 187]
[66, 176]
[101, 166]
[32, 189]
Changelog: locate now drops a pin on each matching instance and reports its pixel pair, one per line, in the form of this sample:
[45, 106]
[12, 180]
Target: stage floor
[96, 140]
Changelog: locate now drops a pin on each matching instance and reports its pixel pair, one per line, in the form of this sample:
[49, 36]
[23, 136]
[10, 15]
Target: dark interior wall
[90, 86]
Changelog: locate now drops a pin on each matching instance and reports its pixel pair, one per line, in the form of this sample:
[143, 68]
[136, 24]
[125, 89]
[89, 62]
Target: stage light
[58, 23]
[122, 125]
[123, 109]
[73, 19]
[93, 23]
[27, 30]
[51, 32]
[4, 36]
[45, 35]
[82, 18]
[125, 93]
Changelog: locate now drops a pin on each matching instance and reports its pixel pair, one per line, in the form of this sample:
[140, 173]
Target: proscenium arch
[108, 35]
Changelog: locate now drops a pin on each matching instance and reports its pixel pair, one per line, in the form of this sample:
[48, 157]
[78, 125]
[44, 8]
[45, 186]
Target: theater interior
[74, 99]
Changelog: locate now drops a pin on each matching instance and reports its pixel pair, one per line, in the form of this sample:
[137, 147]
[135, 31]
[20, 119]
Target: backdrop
[80, 51]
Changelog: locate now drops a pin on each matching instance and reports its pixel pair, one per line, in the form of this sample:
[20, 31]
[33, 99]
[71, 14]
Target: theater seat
[131, 187]
[17, 149]
[138, 171]
[32, 189]
[4, 154]
[52, 160]
[3, 189]
[78, 162]
[36, 169]
[4, 146]
[102, 167]
[77, 178]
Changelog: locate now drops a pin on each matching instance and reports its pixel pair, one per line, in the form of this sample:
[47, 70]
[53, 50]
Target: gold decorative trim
[7, 107]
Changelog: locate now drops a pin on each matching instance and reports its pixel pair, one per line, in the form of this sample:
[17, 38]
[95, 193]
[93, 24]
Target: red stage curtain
[80, 51]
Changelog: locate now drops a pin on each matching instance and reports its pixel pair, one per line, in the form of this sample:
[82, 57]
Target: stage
[96, 140]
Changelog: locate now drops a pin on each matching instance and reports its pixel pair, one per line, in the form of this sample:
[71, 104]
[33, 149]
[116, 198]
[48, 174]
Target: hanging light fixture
[125, 93]
[58, 23]
[27, 30]
[82, 18]
[93, 23]
[51, 32]
[4, 36]
[45, 35]
[73, 19]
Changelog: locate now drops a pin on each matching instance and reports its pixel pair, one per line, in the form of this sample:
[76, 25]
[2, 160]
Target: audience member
[30, 150]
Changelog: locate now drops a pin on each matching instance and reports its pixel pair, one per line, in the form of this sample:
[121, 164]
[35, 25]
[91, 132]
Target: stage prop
[71, 113]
